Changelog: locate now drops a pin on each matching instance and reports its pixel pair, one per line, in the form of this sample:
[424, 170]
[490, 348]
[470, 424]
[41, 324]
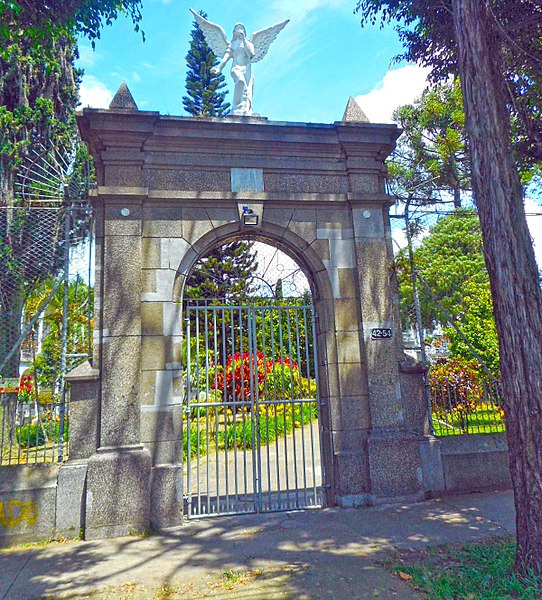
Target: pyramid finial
[353, 113]
[123, 99]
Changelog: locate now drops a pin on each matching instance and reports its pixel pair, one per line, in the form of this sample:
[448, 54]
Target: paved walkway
[313, 554]
[289, 470]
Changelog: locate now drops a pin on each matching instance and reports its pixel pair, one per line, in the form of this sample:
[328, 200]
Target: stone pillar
[416, 406]
[84, 393]
[84, 383]
[118, 478]
[346, 398]
[392, 446]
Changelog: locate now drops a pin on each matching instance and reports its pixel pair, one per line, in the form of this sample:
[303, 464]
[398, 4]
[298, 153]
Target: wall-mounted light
[249, 217]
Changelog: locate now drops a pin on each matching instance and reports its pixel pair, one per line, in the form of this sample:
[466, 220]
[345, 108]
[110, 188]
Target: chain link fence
[46, 311]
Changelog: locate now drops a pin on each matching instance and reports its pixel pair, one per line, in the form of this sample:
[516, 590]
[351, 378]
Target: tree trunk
[457, 197]
[511, 264]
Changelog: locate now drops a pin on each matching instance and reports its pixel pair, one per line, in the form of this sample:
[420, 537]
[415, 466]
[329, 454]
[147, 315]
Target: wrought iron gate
[251, 418]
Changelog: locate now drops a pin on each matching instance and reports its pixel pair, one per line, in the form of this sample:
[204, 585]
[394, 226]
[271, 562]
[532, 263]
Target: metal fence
[32, 433]
[459, 402]
[458, 409]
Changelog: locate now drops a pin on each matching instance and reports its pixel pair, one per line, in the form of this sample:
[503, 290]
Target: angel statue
[243, 53]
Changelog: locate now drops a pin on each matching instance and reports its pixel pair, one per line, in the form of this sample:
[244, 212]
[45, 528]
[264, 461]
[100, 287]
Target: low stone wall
[27, 503]
[39, 501]
[474, 462]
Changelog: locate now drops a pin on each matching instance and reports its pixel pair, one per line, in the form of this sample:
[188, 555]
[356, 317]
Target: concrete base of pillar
[432, 468]
[351, 474]
[355, 501]
[118, 492]
[395, 466]
[166, 496]
[70, 498]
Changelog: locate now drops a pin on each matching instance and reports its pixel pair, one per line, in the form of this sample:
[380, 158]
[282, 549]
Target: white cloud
[534, 221]
[148, 66]
[399, 86]
[93, 93]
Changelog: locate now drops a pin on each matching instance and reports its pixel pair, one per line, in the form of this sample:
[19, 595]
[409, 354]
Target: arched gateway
[252, 406]
[169, 189]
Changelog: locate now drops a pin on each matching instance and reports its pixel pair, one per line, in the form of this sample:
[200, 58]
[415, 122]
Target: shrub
[26, 388]
[461, 396]
[38, 433]
[246, 373]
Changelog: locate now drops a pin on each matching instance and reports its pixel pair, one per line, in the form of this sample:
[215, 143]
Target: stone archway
[168, 188]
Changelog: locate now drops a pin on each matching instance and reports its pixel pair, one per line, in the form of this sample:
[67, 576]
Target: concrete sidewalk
[331, 553]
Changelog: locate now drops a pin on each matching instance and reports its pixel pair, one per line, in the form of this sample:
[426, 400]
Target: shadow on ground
[333, 553]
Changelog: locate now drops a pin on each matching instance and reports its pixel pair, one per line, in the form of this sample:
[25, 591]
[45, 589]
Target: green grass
[475, 570]
[488, 420]
[231, 576]
[238, 433]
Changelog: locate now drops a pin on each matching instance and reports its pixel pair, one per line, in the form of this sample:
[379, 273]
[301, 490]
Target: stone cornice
[128, 137]
[124, 194]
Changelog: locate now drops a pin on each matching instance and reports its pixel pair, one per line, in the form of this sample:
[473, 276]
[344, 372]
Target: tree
[37, 20]
[510, 260]
[426, 29]
[477, 324]
[203, 87]
[79, 322]
[431, 158]
[223, 273]
[38, 97]
[450, 260]
[38, 81]
[495, 47]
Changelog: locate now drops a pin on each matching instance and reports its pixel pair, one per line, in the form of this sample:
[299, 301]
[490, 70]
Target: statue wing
[262, 39]
[214, 35]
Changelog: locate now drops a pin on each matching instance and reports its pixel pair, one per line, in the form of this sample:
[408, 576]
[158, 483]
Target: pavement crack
[23, 566]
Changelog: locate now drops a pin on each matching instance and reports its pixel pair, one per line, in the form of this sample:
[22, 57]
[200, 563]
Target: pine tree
[224, 273]
[431, 159]
[204, 97]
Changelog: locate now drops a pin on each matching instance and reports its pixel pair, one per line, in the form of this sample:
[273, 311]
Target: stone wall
[472, 463]
[27, 503]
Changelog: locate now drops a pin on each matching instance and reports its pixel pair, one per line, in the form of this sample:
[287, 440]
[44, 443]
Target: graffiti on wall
[17, 512]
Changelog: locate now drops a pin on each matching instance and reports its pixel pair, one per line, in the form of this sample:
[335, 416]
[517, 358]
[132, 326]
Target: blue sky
[321, 58]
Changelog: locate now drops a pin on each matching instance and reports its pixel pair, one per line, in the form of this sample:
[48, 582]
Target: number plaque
[381, 333]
